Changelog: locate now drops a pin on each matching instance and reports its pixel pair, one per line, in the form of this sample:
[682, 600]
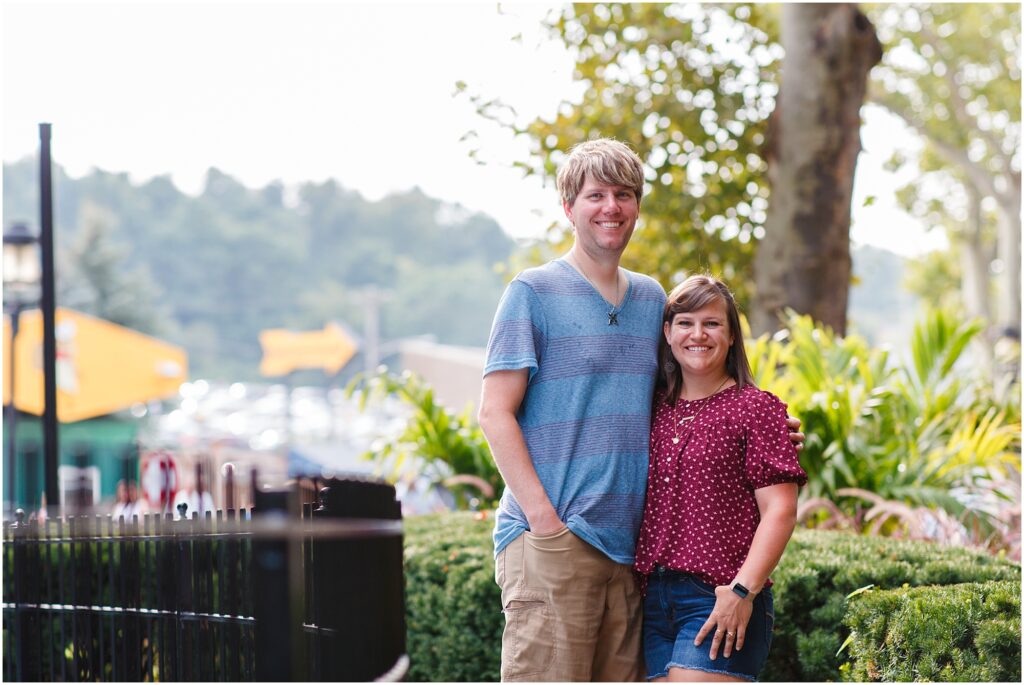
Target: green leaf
[846, 643]
[856, 592]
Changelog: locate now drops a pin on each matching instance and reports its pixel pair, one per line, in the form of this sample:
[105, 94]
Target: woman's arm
[777, 505]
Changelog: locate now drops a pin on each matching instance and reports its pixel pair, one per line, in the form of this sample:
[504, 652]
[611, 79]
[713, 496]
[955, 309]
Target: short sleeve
[517, 335]
[771, 458]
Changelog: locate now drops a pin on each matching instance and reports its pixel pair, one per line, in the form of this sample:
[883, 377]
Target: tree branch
[980, 177]
[959, 105]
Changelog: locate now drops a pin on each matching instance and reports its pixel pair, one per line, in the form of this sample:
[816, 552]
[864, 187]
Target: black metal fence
[291, 590]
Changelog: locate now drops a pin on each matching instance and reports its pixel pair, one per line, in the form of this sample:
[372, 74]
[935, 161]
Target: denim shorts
[675, 608]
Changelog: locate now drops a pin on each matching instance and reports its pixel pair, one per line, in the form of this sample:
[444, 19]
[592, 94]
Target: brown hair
[606, 161]
[693, 294]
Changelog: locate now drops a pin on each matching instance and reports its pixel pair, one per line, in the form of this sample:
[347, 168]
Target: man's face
[604, 217]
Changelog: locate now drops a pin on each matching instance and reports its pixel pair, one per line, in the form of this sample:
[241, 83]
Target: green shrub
[453, 606]
[449, 449]
[968, 632]
[819, 570]
[455, 622]
[908, 433]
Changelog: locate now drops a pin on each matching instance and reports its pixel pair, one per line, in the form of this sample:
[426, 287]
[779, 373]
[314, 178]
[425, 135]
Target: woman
[721, 497]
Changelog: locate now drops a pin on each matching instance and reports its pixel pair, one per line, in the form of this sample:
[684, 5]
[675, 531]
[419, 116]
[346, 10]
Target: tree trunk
[975, 280]
[974, 261]
[1008, 252]
[803, 261]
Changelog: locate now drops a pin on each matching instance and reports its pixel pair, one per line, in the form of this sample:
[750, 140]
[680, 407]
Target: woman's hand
[795, 436]
[728, 620]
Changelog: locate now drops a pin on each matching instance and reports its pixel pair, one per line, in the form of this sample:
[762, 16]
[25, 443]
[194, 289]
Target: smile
[609, 224]
[698, 348]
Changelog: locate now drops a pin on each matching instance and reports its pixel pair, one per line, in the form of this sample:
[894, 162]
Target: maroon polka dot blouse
[701, 514]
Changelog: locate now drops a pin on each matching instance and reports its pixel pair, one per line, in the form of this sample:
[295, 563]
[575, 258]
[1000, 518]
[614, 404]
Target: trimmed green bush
[454, 606]
[958, 633]
[819, 570]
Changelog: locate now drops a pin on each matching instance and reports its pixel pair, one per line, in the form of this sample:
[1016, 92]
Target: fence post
[131, 567]
[165, 596]
[359, 583]
[27, 572]
[234, 590]
[182, 581]
[277, 589]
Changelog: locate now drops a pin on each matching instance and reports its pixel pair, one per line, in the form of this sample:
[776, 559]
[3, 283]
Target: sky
[363, 93]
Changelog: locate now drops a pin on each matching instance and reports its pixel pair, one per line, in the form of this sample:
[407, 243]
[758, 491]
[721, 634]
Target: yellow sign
[285, 351]
[101, 367]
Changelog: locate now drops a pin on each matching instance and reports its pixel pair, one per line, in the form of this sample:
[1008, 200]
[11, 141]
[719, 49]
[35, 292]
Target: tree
[935, 278]
[94, 280]
[690, 88]
[960, 276]
[803, 261]
[952, 74]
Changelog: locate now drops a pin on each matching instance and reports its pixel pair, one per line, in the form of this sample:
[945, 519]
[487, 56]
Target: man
[566, 407]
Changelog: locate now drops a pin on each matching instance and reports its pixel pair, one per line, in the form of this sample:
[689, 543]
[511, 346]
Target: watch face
[740, 590]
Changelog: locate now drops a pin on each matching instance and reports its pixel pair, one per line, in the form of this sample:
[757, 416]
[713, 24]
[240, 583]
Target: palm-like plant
[835, 386]
[916, 438]
[450, 448]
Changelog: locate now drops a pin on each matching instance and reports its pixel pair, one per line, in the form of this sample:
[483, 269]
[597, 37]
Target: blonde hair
[604, 160]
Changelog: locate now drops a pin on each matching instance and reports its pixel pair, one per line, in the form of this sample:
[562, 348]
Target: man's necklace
[613, 316]
[705, 401]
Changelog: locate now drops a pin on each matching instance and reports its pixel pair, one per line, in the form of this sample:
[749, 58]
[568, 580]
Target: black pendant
[613, 318]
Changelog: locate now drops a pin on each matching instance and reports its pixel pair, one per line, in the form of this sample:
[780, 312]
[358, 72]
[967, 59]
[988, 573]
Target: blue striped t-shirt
[586, 415]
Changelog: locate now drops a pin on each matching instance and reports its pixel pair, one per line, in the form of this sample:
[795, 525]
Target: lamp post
[22, 271]
[48, 305]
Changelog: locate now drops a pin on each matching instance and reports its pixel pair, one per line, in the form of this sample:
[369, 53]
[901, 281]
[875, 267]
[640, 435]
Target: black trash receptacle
[358, 582]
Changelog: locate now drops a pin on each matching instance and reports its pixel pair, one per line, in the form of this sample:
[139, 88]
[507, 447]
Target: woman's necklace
[704, 401]
[613, 316]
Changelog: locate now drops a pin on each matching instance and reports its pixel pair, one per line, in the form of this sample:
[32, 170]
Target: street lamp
[22, 273]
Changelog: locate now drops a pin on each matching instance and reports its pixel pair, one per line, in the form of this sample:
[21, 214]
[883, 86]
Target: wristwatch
[740, 590]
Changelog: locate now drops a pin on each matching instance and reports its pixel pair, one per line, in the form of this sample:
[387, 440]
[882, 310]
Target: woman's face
[700, 340]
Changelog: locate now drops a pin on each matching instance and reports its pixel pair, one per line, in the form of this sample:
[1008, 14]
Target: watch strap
[740, 590]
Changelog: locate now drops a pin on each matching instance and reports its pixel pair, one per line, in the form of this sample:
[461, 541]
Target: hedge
[455, 622]
[819, 570]
[958, 633]
[453, 606]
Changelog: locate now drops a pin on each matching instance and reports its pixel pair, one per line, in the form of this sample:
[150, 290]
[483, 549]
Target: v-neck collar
[612, 308]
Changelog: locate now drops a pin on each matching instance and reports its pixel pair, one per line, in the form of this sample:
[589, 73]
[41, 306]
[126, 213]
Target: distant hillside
[233, 261]
[212, 271]
[880, 308]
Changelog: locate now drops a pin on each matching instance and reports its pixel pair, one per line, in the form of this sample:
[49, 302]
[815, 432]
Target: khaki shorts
[571, 613]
